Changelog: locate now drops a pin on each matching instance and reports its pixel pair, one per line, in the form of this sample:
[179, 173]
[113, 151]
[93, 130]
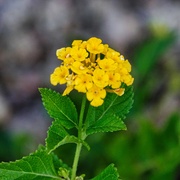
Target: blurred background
[145, 31]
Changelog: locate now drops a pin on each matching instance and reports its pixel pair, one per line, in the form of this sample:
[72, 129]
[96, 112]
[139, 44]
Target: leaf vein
[62, 112]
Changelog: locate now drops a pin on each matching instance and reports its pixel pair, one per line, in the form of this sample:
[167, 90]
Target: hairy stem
[80, 136]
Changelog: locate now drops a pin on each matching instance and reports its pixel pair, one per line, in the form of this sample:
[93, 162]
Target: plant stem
[76, 159]
[79, 145]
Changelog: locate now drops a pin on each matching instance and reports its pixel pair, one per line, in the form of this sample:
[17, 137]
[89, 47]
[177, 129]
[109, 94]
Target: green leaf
[59, 107]
[109, 123]
[39, 165]
[109, 116]
[68, 139]
[110, 173]
[56, 134]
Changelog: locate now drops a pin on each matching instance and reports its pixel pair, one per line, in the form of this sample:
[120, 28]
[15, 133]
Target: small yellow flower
[59, 75]
[68, 62]
[114, 80]
[79, 54]
[93, 68]
[76, 43]
[107, 64]
[105, 50]
[63, 53]
[100, 78]
[114, 55]
[128, 79]
[79, 68]
[83, 82]
[94, 45]
[127, 65]
[96, 95]
[84, 44]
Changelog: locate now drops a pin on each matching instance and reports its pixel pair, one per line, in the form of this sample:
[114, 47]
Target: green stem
[79, 145]
[76, 159]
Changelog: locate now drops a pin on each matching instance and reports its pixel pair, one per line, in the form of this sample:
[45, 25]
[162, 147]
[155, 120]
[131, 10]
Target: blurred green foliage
[148, 75]
[13, 147]
[7, 148]
[149, 152]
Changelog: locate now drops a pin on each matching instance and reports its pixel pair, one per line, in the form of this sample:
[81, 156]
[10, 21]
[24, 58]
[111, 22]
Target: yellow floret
[63, 53]
[107, 64]
[94, 45]
[68, 62]
[100, 78]
[76, 42]
[79, 54]
[114, 80]
[59, 75]
[79, 68]
[96, 95]
[83, 82]
[114, 55]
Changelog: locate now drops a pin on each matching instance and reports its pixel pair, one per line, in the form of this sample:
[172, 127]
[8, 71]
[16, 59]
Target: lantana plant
[103, 76]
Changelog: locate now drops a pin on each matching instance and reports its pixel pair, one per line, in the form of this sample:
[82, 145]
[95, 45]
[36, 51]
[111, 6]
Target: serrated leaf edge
[110, 166]
[24, 159]
[99, 131]
[50, 128]
[75, 125]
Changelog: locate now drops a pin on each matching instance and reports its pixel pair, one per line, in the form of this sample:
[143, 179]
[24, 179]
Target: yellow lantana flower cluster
[93, 68]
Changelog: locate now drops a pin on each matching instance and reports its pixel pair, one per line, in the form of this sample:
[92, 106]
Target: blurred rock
[31, 120]
[5, 112]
